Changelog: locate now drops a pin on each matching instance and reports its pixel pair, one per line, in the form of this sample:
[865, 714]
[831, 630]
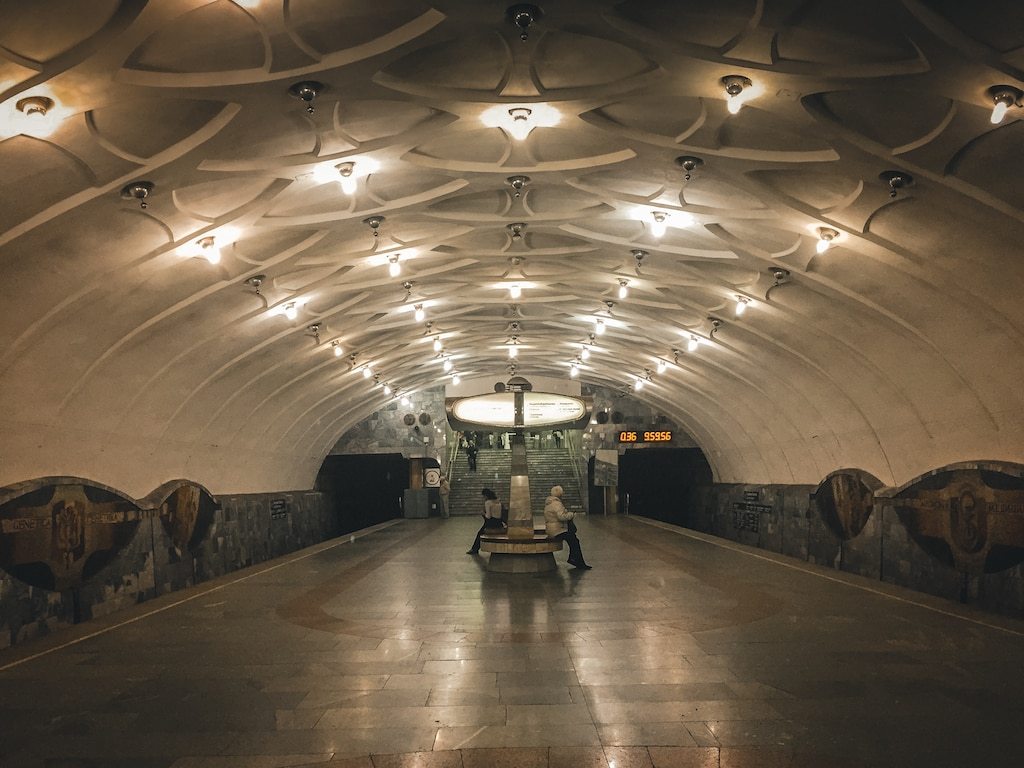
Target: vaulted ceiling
[129, 358]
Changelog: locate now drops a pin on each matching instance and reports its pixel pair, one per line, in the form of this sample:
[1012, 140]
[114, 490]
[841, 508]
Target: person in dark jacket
[491, 515]
[471, 451]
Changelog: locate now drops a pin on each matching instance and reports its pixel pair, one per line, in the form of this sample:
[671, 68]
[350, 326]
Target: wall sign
[278, 509]
[524, 409]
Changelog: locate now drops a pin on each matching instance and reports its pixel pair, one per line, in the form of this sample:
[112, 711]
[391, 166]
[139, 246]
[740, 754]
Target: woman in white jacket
[559, 525]
[491, 516]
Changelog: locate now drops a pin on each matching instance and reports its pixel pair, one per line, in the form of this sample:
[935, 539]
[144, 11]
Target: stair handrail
[574, 445]
[453, 454]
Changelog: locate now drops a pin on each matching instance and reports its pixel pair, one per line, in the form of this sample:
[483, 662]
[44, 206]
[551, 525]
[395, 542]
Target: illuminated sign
[497, 410]
[538, 409]
[541, 409]
[652, 436]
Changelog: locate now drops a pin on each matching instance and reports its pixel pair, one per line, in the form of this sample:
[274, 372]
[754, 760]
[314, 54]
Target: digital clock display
[633, 436]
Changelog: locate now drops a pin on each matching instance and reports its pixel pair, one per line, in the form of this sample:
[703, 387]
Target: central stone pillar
[520, 516]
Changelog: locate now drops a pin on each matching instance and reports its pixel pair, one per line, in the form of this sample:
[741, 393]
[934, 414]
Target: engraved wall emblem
[845, 501]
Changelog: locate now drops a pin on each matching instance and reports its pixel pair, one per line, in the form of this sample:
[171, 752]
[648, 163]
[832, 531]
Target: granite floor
[398, 650]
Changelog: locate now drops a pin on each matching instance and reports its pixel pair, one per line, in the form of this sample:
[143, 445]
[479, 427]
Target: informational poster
[431, 477]
[606, 467]
[541, 409]
[497, 410]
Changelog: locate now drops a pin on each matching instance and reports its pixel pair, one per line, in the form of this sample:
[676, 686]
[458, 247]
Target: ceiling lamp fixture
[35, 121]
[406, 401]
[209, 249]
[825, 237]
[306, 91]
[659, 227]
[387, 388]
[1003, 97]
[639, 383]
[138, 190]
[639, 255]
[520, 126]
[689, 164]
[623, 288]
[338, 351]
[518, 184]
[599, 326]
[662, 366]
[896, 180]
[291, 311]
[515, 291]
[516, 230]
[741, 305]
[693, 343]
[394, 268]
[256, 282]
[513, 349]
[367, 372]
[523, 15]
[374, 222]
[419, 313]
[447, 364]
[735, 85]
[456, 379]
[346, 178]
[437, 343]
[574, 368]
[314, 330]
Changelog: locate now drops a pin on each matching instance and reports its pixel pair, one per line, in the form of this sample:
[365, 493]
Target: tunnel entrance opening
[365, 489]
[658, 482]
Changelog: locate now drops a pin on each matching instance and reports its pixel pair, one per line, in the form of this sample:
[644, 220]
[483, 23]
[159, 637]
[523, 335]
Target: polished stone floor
[398, 650]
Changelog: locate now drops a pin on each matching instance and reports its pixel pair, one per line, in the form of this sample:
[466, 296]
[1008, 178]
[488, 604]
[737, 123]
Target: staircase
[493, 470]
[549, 467]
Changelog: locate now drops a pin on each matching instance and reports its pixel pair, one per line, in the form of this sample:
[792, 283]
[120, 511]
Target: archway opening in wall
[365, 489]
[661, 483]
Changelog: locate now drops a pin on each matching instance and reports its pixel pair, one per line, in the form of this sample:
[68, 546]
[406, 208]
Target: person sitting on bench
[492, 518]
[559, 525]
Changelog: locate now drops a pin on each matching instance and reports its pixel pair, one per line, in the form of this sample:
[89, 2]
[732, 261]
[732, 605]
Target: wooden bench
[534, 555]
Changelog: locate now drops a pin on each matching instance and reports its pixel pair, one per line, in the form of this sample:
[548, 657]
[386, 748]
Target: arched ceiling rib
[128, 358]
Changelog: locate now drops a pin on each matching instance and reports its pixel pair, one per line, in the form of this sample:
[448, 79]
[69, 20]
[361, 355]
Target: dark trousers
[570, 538]
[490, 523]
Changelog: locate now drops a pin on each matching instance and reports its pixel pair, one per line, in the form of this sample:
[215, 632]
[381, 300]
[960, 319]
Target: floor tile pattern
[397, 650]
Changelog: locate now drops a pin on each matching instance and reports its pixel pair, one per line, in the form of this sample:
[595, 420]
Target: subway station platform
[395, 649]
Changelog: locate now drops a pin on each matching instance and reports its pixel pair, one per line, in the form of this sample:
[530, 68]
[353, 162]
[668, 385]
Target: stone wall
[414, 430]
[71, 550]
[957, 533]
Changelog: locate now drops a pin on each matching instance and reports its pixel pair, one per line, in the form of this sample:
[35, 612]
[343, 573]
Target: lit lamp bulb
[658, 227]
[437, 343]
[599, 326]
[662, 366]
[387, 388]
[406, 402]
[741, 305]
[623, 289]
[515, 291]
[520, 126]
[290, 310]
[585, 354]
[574, 370]
[447, 365]
[420, 314]
[394, 268]
[210, 251]
[34, 108]
[692, 344]
[638, 384]
[347, 179]
[513, 351]
[825, 238]
[367, 372]
[455, 379]
[734, 86]
[337, 348]
[1003, 97]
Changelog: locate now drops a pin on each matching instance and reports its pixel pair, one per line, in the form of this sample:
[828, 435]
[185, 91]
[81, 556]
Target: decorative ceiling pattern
[128, 356]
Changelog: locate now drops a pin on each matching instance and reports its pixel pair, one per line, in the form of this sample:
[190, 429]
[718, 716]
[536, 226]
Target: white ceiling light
[623, 288]
[692, 344]
[518, 121]
[515, 291]
[1003, 97]
[394, 268]
[387, 388]
[447, 365]
[337, 348]
[209, 250]
[825, 237]
[406, 402]
[662, 366]
[291, 311]
[659, 227]
[38, 117]
[456, 379]
[437, 343]
[599, 327]
[420, 313]
[367, 372]
[574, 370]
[347, 178]
[638, 384]
[736, 92]
[741, 305]
[520, 126]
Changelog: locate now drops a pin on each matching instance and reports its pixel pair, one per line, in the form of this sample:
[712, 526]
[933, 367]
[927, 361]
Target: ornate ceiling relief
[799, 217]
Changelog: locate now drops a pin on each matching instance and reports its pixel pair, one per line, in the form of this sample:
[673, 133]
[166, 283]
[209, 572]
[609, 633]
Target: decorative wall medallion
[58, 536]
[845, 501]
[186, 515]
[409, 419]
[970, 518]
